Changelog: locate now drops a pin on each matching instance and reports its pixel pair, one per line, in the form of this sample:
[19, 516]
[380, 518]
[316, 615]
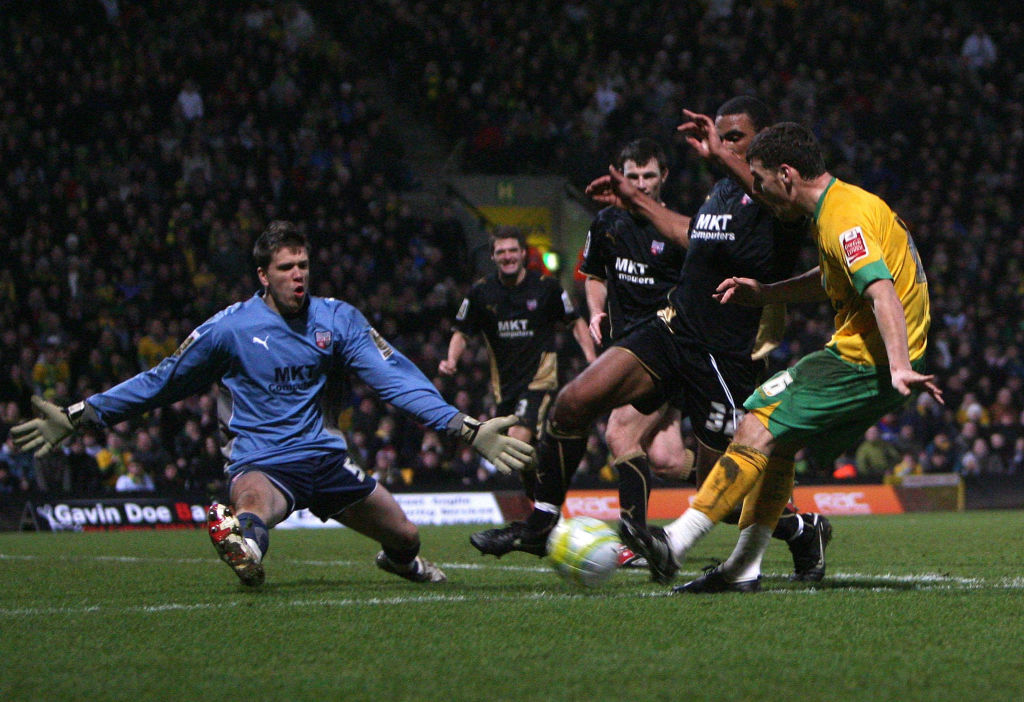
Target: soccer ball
[584, 550]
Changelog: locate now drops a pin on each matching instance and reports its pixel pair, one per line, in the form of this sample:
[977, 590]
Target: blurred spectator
[940, 455]
[151, 456]
[189, 104]
[980, 459]
[978, 50]
[169, 481]
[207, 469]
[875, 456]
[85, 471]
[908, 465]
[136, 479]
[467, 468]
[113, 459]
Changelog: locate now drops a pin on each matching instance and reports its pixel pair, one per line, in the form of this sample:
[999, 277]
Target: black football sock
[254, 528]
[558, 457]
[529, 478]
[790, 524]
[541, 521]
[402, 556]
[634, 486]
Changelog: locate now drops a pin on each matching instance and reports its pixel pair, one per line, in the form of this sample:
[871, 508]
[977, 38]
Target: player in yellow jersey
[870, 271]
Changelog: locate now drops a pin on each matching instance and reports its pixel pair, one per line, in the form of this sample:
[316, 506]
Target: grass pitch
[915, 607]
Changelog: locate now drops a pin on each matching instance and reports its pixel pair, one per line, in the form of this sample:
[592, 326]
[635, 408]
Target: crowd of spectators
[145, 144]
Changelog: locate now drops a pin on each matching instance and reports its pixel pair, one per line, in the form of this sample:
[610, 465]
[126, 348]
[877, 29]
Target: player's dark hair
[278, 235]
[508, 232]
[789, 143]
[640, 151]
[753, 108]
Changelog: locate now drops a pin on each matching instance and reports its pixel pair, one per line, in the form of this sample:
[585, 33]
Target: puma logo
[261, 342]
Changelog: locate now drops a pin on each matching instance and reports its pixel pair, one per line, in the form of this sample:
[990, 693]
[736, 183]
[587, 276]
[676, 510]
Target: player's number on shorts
[722, 419]
[355, 470]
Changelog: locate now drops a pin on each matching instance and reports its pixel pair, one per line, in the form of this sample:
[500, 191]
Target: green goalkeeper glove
[54, 425]
[489, 438]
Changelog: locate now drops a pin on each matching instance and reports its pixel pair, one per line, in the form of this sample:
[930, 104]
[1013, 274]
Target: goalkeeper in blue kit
[275, 358]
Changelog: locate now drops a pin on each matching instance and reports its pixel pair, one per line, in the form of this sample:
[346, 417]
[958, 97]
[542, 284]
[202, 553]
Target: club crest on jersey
[323, 338]
[383, 346]
[746, 199]
[855, 247]
[531, 305]
[657, 247]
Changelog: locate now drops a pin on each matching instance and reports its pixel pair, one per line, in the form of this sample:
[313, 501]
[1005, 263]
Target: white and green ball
[584, 550]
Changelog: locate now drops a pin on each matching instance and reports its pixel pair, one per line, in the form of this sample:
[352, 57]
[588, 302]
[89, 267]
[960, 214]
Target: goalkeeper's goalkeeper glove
[507, 454]
[54, 424]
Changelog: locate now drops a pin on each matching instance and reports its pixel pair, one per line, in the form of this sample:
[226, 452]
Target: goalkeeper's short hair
[278, 235]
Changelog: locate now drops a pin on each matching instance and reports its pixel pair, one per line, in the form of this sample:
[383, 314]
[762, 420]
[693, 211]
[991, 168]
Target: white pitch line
[928, 583]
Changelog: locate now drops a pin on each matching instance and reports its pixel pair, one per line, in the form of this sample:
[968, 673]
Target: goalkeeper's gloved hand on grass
[54, 424]
[489, 438]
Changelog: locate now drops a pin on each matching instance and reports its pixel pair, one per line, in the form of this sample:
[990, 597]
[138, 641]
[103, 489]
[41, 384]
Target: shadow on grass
[865, 582]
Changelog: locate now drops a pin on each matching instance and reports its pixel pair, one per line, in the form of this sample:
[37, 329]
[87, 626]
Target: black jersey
[639, 267]
[731, 235]
[519, 325]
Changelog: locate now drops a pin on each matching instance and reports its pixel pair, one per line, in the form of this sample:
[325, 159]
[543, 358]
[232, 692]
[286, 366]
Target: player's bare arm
[582, 335]
[805, 287]
[455, 348]
[615, 189]
[596, 291]
[892, 325]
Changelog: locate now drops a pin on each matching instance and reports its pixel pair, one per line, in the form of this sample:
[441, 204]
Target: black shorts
[531, 406]
[327, 485]
[708, 388]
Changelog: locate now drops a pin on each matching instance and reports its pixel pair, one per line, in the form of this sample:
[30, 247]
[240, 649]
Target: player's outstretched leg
[653, 545]
[714, 581]
[381, 518]
[420, 570]
[241, 554]
[517, 536]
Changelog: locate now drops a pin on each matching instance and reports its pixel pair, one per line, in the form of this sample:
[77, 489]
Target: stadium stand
[144, 144]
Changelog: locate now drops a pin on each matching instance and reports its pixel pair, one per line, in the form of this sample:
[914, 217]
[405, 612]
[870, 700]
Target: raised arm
[615, 189]
[700, 133]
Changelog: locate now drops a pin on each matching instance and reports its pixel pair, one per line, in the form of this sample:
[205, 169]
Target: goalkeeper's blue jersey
[275, 377]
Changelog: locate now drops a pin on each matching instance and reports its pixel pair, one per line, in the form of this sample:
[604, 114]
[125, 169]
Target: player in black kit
[518, 312]
[630, 268]
[695, 354]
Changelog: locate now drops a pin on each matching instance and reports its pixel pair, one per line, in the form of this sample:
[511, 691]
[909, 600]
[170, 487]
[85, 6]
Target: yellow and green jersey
[861, 240]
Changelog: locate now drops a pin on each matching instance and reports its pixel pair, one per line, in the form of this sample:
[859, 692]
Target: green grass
[915, 607]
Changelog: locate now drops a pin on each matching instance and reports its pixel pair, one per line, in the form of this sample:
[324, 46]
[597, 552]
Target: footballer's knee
[572, 413]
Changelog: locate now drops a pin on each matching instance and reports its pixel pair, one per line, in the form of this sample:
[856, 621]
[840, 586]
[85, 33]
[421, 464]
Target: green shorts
[825, 403]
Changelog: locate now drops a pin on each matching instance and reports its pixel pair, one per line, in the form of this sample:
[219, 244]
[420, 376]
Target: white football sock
[745, 561]
[255, 549]
[686, 531]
